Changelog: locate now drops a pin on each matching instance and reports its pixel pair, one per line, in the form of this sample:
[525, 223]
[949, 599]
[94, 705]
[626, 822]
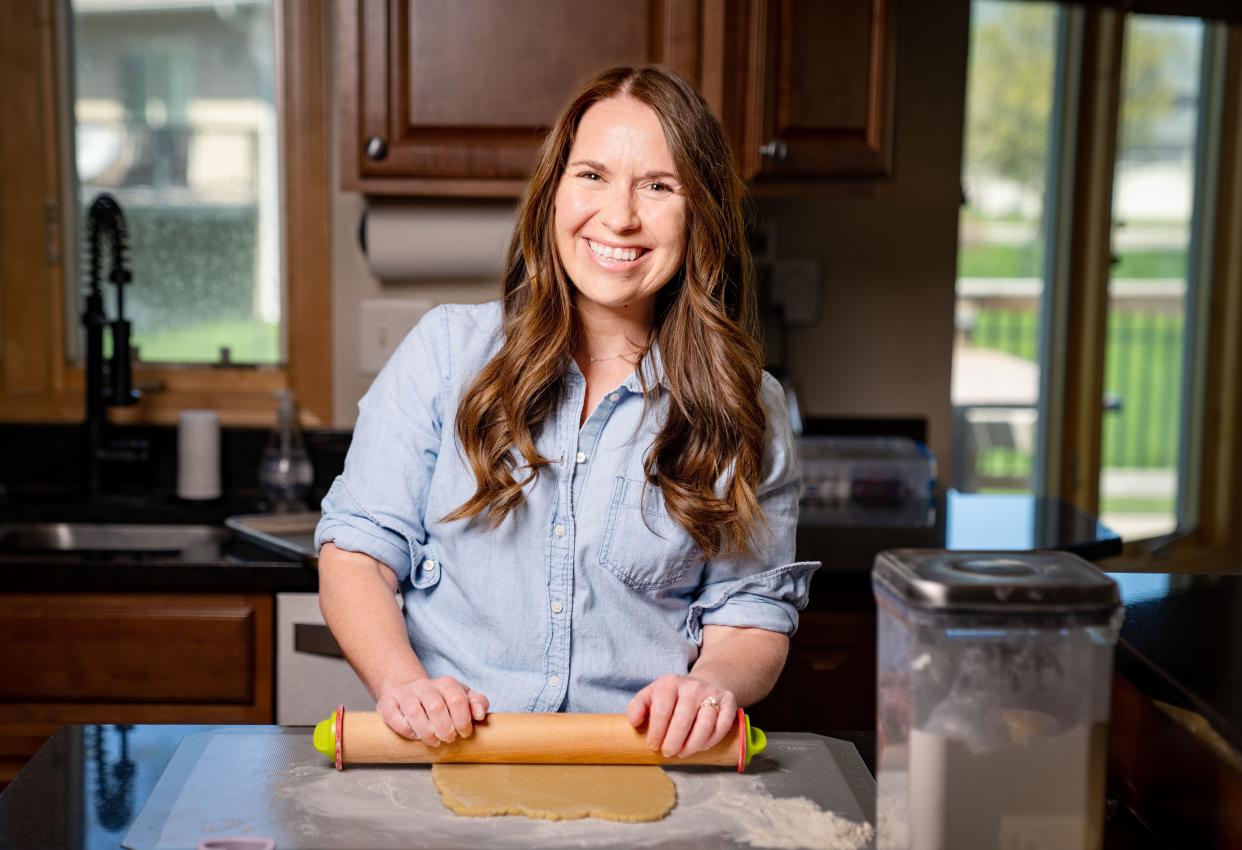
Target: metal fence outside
[994, 439]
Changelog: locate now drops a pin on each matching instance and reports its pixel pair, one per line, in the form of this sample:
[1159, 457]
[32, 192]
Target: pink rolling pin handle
[741, 741]
[340, 737]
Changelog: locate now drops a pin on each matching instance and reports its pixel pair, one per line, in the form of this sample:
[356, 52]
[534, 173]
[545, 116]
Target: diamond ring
[710, 702]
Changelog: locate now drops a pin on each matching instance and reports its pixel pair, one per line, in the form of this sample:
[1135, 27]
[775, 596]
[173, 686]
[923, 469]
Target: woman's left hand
[684, 714]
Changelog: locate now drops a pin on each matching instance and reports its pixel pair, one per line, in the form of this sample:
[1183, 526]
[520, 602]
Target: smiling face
[620, 211]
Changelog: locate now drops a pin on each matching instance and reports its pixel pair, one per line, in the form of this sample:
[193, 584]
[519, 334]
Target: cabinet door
[820, 96]
[828, 683]
[454, 98]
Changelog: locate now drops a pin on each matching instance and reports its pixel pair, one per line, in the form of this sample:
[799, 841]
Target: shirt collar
[653, 370]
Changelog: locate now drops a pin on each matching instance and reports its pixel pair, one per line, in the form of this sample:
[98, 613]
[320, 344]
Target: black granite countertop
[1181, 642]
[229, 564]
[846, 544]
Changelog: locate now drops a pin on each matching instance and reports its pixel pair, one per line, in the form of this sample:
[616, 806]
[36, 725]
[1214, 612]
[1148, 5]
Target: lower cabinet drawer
[100, 658]
[132, 648]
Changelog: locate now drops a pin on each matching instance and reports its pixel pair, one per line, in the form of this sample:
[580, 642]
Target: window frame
[37, 380]
[1212, 541]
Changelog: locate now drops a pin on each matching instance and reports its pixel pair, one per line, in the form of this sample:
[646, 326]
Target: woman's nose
[620, 213]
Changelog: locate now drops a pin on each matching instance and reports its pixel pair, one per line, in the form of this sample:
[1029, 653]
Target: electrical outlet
[796, 288]
[382, 324]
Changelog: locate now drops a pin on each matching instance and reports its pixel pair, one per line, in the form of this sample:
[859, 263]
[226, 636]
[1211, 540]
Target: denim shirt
[589, 590]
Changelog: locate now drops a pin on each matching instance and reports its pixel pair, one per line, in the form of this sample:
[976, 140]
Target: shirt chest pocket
[643, 546]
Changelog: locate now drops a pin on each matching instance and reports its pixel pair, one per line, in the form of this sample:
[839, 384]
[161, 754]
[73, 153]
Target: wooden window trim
[1216, 541]
[37, 383]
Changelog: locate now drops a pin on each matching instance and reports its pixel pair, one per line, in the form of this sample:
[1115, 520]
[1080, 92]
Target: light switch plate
[796, 286]
[382, 324]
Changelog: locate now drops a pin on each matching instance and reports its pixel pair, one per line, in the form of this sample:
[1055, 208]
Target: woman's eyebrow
[592, 164]
[603, 169]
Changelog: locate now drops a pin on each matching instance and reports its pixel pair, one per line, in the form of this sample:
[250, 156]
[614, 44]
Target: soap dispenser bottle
[286, 472]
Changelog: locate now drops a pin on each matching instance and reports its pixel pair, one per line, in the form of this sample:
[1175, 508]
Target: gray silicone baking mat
[272, 783]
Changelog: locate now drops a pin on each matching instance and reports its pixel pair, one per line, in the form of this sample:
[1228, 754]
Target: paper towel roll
[438, 241]
[198, 454]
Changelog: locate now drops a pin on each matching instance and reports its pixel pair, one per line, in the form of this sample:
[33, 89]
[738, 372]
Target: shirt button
[553, 681]
[430, 566]
[581, 457]
[614, 396]
[559, 531]
[557, 607]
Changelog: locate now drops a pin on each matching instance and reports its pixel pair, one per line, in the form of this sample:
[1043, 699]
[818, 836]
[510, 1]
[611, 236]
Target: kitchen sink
[184, 542]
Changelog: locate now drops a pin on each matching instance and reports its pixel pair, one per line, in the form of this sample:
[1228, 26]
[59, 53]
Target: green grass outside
[249, 341]
[1143, 369]
[1027, 261]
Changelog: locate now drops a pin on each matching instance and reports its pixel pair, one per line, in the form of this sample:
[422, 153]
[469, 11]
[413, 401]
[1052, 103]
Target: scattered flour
[790, 822]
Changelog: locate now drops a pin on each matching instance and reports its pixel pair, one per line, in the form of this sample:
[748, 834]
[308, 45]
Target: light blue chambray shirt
[581, 596]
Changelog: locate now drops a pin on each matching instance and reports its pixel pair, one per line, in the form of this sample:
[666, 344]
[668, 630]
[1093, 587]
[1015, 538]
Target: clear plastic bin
[993, 687]
[867, 470]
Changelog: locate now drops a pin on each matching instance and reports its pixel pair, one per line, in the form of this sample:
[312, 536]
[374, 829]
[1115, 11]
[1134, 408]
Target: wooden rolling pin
[362, 737]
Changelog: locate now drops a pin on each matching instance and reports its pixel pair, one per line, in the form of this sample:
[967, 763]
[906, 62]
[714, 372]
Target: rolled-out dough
[632, 793]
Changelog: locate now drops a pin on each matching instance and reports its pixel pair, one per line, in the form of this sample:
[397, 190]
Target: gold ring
[710, 702]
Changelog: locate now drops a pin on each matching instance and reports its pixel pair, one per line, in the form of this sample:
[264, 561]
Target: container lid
[1000, 582]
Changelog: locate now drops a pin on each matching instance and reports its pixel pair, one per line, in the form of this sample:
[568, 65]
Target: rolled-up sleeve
[377, 505]
[765, 588]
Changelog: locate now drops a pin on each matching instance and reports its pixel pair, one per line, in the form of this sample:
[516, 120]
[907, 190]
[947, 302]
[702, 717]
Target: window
[221, 173]
[175, 117]
[1083, 367]
[1153, 231]
[1002, 244]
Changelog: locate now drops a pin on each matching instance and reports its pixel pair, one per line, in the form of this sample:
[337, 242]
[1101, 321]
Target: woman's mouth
[614, 256]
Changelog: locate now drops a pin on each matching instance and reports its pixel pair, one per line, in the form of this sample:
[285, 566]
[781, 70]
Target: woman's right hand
[431, 710]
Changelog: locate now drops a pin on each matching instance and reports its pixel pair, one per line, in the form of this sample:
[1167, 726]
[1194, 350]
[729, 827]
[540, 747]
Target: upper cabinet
[818, 101]
[453, 99]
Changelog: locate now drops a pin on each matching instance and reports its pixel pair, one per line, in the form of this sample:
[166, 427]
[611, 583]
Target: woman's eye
[593, 176]
[660, 187]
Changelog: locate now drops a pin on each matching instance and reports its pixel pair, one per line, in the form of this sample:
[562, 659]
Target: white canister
[198, 455]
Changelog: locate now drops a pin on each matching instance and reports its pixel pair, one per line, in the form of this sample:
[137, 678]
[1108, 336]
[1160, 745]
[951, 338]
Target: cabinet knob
[775, 150]
[377, 149]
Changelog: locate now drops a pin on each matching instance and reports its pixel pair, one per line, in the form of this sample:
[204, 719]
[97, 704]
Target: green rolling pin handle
[750, 741]
[327, 741]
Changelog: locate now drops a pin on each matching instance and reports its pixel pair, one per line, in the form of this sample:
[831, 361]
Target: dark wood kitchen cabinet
[130, 658]
[454, 99]
[818, 99]
[829, 677]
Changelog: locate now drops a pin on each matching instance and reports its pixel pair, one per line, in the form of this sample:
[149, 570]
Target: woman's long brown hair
[707, 456]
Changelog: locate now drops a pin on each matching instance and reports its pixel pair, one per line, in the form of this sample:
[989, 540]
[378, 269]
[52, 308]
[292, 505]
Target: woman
[585, 494]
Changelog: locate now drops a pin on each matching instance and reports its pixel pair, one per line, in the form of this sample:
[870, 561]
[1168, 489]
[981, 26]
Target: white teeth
[611, 253]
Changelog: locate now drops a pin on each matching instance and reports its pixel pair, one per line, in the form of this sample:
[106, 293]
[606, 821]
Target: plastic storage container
[993, 685]
[866, 480]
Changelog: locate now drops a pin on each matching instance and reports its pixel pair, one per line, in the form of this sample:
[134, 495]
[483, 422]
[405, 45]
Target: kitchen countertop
[846, 546]
[1181, 643]
[959, 521]
[87, 784]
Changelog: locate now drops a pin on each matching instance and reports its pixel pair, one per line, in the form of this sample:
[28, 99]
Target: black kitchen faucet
[108, 382]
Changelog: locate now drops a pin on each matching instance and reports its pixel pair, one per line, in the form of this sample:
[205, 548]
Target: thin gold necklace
[595, 359]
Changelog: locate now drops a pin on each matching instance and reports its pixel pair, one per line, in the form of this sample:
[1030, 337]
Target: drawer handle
[315, 639]
[775, 150]
[825, 661]
[377, 149]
